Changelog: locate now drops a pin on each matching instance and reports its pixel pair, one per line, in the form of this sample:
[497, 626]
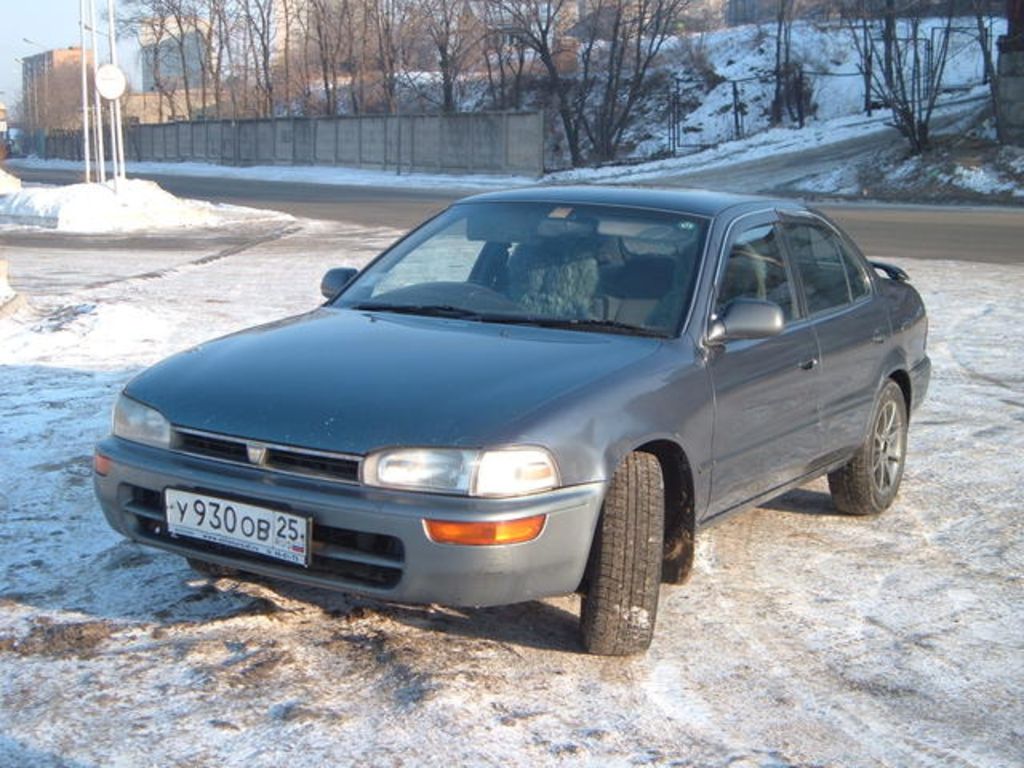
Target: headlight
[140, 423]
[514, 472]
[498, 473]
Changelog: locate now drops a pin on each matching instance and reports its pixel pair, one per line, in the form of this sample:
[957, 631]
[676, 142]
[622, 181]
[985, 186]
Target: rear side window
[831, 276]
[755, 270]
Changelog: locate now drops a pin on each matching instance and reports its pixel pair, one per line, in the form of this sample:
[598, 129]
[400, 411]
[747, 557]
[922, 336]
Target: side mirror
[747, 319]
[335, 280]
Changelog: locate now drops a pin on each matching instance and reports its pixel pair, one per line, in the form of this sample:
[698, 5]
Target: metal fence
[491, 142]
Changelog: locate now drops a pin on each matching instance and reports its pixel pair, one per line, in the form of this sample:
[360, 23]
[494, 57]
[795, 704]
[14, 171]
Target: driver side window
[755, 269]
[448, 257]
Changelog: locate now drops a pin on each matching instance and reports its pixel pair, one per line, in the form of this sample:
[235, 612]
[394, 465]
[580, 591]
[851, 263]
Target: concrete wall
[491, 142]
[501, 142]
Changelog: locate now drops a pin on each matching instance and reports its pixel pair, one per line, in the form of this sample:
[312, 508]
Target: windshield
[585, 267]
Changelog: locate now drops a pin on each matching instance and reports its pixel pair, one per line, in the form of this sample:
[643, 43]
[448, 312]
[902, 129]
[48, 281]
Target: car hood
[350, 381]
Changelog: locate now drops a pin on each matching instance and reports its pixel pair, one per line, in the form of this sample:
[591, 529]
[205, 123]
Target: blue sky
[51, 24]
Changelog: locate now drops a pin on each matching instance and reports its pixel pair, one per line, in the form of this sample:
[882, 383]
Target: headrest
[648, 277]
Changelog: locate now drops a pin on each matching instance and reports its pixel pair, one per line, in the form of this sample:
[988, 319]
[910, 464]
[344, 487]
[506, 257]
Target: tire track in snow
[231, 250]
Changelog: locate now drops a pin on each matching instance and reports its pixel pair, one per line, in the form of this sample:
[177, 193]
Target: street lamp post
[101, 160]
[85, 92]
[116, 131]
[108, 83]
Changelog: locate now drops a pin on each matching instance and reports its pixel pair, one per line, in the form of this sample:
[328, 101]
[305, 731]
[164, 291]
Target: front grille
[344, 469]
[296, 461]
[361, 558]
[212, 447]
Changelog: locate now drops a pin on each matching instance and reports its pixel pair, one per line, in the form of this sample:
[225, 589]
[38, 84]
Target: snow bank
[5, 289]
[10, 301]
[135, 206]
[983, 180]
[9, 184]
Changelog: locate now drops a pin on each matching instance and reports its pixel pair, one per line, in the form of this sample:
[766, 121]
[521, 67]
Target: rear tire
[869, 482]
[620, 596]
[211, 570]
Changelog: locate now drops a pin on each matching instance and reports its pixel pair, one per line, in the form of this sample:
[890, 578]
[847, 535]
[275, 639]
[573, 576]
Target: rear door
[849, 321]
[766, 395]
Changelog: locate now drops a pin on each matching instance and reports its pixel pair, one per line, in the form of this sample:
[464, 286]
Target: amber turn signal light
[101, 464]
[485, 534]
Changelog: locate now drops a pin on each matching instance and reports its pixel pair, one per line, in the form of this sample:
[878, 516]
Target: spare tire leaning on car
[620, 589]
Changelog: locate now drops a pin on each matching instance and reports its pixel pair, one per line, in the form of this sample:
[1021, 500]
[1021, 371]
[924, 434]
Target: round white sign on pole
[110, 82]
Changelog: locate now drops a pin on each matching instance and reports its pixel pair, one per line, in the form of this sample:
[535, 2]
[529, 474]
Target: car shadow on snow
[537, 624]
[804, 501]
[130, 584]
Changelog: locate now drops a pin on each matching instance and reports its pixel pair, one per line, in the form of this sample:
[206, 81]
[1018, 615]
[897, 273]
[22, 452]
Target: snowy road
[803, 637]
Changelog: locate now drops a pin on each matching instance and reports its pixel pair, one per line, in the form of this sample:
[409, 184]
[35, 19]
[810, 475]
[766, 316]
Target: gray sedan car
[534, 393]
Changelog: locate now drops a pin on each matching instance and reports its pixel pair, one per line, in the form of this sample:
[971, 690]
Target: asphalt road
[956, 233]
[372, 206]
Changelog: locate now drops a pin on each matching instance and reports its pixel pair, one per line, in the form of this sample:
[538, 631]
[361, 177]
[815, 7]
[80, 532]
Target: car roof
[693, 201]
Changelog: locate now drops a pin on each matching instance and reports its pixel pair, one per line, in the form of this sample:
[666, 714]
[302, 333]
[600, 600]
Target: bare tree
[913, 57]
[620, 42]
[543, 27]
[181, 28]
[453, 32]
[504, 57]
[259, 42]
[783, 55]
[213, 56]
[182, 50]
[394, 27]
[981, 18]
[325, 25]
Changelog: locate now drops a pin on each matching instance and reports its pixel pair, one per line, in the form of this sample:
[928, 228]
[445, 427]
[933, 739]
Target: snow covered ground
[8, 183]
[803, 637]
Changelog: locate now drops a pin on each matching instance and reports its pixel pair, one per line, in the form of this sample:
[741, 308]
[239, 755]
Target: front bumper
[365, 540]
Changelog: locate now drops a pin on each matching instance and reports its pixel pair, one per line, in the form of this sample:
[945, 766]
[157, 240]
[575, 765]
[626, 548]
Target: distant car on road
[534, 393]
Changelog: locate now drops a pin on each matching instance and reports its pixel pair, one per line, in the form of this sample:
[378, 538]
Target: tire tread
[624, 574]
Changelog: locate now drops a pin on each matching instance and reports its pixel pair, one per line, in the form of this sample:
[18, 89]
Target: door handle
[808, 365]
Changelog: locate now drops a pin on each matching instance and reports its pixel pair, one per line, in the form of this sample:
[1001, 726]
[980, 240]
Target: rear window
[831, 276]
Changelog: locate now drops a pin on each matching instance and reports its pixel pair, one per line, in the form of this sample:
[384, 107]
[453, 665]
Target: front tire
[869, 482]
[620, 598]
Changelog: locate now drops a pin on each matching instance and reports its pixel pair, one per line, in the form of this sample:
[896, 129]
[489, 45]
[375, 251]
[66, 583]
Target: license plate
[268, 532]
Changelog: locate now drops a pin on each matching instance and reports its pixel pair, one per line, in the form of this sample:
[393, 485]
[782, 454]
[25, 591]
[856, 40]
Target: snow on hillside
[133, 206]
[746, 54]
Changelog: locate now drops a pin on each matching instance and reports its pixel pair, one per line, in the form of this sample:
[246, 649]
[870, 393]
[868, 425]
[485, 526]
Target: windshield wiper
[461, 313]
[583, 324]
[430, 310]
